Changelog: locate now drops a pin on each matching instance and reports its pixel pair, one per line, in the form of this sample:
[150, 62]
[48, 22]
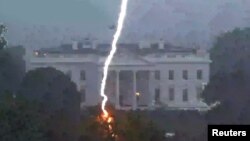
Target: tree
[20, 120]
[230, 81]
[58, 98]
[3, 41]
[139, 127]
[127, 126]
[186, 125]
[12, 68]
[230, 51]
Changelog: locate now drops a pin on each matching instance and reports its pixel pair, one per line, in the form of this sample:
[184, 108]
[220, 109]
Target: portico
[136, 94]
[128, 83]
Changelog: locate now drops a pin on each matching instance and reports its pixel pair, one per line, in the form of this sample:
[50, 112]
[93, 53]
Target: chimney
[94, 44]
[161, 44]
[75, 45]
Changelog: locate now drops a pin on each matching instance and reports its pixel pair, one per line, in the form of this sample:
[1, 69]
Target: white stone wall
[93, 71]
[179, 83]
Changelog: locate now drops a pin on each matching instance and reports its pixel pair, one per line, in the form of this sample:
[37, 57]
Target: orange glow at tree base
[107, 121]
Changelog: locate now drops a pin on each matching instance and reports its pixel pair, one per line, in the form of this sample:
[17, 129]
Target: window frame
[171, 77]
[199, 74]
[171, 93]
[185, 97]
[157, 75]
[199, 91]
[157, 95]
[82, 77]
[185, 74]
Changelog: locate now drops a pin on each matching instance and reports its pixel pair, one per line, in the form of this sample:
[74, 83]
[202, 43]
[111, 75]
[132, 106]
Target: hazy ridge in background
[45, 23]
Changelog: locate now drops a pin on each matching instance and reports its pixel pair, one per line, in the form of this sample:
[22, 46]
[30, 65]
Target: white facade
[148, 77]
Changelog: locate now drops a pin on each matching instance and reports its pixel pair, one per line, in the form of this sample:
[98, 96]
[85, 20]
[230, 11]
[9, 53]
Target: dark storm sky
[45, 23]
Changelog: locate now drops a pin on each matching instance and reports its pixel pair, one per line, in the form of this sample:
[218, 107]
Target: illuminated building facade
[142, 75]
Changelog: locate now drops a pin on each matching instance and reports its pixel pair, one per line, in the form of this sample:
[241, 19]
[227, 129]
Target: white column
[151, 88]
[117, 105]
[134, 105]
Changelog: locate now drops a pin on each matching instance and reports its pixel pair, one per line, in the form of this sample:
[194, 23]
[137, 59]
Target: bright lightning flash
[116, 36]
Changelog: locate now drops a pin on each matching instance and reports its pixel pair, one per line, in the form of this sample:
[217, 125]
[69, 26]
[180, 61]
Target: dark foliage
[3, 41]
[128, 126]
[58, 101]
[12, 68]
[231, 51]
[20, 120]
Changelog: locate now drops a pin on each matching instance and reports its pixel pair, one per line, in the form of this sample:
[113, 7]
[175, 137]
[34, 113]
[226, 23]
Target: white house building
[142, 75]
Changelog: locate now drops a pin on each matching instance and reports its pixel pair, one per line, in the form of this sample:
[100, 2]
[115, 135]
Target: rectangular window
[83, 94]
[199, 74]
[82, 75]
[185, 74]
[171, 74]
[157, 95]
[199, 92]
[185, 95]
[157, 75]
[171, 94]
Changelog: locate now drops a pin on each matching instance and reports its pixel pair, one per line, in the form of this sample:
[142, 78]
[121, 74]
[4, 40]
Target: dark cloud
[184, 22]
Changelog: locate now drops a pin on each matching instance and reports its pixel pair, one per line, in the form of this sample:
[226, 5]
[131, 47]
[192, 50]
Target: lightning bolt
[122, 15]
